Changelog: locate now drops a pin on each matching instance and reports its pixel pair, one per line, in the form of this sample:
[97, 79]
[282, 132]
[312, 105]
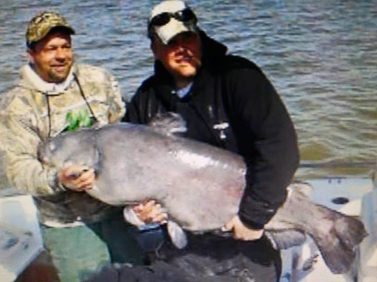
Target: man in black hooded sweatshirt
[227, 102]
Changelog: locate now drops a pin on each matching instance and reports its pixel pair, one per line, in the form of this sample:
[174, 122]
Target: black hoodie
[231, 105]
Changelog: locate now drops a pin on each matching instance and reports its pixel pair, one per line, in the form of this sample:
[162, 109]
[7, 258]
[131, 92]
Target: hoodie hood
[211, 49]
[31, 80]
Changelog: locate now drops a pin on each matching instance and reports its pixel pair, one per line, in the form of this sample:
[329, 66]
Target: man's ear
[30, 55]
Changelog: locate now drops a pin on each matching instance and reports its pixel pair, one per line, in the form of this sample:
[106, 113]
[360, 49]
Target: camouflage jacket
[32, 112]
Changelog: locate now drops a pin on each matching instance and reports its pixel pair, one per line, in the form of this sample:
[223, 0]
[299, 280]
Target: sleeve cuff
[251, 224]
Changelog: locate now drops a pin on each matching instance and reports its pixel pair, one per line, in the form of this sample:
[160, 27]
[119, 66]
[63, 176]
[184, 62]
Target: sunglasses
[185, 15]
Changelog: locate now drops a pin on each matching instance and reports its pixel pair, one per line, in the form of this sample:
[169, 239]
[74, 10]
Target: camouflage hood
[30, 80]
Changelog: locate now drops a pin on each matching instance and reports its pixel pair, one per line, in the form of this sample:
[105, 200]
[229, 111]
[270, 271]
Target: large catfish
[199, 185]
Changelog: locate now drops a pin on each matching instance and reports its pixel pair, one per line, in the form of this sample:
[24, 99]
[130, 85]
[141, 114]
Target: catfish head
[77, 147]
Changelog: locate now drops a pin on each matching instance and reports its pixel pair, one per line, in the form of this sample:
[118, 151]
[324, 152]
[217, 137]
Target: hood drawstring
[83, 96]
[48, 114]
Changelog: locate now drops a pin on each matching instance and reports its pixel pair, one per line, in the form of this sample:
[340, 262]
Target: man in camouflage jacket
[52, 96]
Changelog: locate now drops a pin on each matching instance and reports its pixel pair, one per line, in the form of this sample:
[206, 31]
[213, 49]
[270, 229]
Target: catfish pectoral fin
[131, 217]
[284, 239]
[177, 235]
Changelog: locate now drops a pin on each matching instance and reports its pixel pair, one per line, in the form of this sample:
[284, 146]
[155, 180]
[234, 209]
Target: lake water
[320, 55]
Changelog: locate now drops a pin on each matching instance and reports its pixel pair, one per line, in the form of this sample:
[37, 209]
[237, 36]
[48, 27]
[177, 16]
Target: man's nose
[60, 53]
[180, 47]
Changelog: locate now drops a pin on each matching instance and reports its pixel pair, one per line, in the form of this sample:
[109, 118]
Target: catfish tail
[339, 244]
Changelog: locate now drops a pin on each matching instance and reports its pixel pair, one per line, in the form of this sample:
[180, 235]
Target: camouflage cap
[41, 25]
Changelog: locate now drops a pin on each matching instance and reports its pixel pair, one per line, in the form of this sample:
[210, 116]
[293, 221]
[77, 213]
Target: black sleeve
[137, 108]
[144, 105]
[268, 143]
[132, 112]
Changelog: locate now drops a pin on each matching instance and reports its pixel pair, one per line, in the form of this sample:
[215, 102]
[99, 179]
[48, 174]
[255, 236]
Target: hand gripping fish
[199, 185]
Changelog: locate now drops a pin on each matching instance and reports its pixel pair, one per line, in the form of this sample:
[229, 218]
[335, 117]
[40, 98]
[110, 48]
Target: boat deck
[303, 263]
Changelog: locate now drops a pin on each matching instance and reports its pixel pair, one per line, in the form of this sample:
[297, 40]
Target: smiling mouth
[59, 67]
[185, 59]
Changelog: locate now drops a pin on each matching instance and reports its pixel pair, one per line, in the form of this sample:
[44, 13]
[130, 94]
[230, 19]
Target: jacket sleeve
[139, 108]
[133, 112]
[268, 143]
[19, 142]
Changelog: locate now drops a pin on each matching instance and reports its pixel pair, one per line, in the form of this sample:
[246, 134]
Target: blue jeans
[78, 252]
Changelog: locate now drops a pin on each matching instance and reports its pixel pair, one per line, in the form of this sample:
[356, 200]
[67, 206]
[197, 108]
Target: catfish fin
[131, 217]
[168, 123]
[285, 239]
[177, 235]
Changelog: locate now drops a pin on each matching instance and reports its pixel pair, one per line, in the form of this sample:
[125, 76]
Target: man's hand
[77, 178]
[240, 231]
[150, 212]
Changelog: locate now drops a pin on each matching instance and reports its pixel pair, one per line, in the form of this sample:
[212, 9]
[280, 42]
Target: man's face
[181, 57]
[52, 57]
